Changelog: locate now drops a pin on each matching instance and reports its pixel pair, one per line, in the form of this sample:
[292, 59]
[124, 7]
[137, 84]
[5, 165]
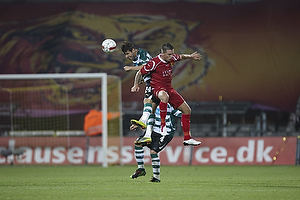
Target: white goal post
[104, 99]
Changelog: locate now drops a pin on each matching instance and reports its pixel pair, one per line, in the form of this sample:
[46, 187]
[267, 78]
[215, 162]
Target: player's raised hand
[196, 56]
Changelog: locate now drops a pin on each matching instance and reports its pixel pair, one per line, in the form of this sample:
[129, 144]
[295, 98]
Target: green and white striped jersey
[170, 120]
[142, 57]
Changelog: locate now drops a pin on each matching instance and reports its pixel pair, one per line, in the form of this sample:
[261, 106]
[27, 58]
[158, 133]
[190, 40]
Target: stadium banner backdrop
[212, 151]
[250, 51]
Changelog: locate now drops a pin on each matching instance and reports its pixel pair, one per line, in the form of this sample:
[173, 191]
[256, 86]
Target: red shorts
[175, 99]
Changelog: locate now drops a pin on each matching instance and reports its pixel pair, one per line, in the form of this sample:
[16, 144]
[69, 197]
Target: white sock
[146, 112]
[155, 161]
[150, 124]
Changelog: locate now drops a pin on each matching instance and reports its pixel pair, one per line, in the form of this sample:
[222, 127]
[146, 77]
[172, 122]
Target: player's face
[130, 54]
[167, 56]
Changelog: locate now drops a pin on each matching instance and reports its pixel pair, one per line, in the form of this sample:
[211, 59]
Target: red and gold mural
[250, 51]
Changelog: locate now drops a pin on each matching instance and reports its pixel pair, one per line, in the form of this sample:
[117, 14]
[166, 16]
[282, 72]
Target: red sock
[185, 124]
[163, 113]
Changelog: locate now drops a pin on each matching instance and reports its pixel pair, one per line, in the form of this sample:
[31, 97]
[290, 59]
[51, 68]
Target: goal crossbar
[103, 77]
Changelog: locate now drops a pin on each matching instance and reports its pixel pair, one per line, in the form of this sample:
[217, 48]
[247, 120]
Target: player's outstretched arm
[194, 56]
[133, 68]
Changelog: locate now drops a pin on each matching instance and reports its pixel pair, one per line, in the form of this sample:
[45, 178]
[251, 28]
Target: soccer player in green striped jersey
[139, 58]
[158, 143]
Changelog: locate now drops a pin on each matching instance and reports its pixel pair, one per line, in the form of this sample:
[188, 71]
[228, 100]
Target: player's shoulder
[154, 61]
[143, 53]
[140, 51]
[157, 58]
[176, 57]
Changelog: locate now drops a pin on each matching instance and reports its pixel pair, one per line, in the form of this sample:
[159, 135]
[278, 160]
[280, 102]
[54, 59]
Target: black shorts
[159, 142]
[149, 94]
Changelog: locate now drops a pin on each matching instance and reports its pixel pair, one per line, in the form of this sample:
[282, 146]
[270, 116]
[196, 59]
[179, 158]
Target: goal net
[44, 114]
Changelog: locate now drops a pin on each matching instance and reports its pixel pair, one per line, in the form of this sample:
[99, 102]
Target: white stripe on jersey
[152, 68]
[174, 58]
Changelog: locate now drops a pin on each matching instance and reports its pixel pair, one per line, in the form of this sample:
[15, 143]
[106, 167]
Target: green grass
[178, 182]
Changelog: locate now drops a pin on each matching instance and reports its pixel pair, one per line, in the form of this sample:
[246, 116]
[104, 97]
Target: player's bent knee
[163, 96]
[185, 108]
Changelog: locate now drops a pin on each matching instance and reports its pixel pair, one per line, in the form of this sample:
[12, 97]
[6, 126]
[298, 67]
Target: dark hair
[167, 46]
[127, 46]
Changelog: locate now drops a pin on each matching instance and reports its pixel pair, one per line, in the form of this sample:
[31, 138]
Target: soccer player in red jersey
[161, 68]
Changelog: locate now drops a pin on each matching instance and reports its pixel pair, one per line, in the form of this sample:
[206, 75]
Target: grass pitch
[178, 182]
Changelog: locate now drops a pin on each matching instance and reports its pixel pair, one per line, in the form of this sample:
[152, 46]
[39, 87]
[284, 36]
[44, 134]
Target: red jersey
[161, 71]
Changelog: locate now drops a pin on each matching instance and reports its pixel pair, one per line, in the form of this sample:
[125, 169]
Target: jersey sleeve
[176, 57]
[147, 68]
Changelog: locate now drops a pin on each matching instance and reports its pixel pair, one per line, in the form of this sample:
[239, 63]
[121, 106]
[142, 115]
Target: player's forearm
[136, 68]
[194, 56]
[137, 78]
[185, 56]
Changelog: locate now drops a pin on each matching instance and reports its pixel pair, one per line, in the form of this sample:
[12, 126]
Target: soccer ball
[109, 45]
